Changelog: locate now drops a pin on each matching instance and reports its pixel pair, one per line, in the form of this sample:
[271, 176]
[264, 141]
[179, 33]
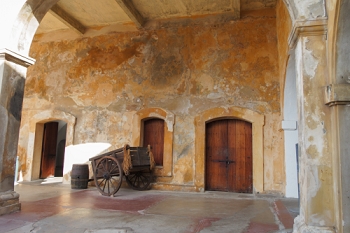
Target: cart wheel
[139, 180]
[108, 176]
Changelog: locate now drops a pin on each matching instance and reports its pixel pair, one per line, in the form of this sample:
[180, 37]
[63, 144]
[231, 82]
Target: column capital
[337, 94]
[19, 59]
[307, 28]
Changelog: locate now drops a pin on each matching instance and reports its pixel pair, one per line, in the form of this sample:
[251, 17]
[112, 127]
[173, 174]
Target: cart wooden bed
[135, 163]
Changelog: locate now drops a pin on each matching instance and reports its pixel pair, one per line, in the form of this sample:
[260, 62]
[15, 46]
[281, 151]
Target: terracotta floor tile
[200, 224]
[256, 227]
[283, 215]
[92, 199]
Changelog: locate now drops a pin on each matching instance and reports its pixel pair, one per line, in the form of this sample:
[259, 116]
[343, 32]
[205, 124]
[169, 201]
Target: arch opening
[289, 125]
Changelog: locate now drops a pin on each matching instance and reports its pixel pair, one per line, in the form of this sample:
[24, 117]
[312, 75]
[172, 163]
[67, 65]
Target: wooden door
[153, 134]
[229, 156]
[48, 156]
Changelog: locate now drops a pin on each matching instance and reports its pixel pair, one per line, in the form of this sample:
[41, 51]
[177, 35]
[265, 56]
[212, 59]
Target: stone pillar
[337, 97]
[317, 213]
[13, 69]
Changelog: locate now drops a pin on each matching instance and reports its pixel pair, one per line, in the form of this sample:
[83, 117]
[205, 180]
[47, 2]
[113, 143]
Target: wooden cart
[135, 163]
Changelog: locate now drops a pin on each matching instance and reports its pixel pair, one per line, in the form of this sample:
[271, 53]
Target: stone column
[13, 69]
[337, 97]
[317, 213]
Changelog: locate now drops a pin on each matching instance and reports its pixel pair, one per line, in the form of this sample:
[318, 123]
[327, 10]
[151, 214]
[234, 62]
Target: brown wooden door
[229, 156]
[153, 134]
[48, 156]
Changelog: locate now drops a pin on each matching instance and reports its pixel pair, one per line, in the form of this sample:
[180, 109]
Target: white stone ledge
[289, 125]
[17, 58]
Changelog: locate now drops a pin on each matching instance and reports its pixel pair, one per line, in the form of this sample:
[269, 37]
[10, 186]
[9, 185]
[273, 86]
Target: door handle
[224, 161]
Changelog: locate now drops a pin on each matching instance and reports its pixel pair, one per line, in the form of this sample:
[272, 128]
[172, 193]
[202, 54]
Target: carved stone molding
[19, 59]
[337, 94]
[307, 28]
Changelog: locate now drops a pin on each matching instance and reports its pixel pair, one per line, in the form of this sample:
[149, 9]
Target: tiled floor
[58, 208]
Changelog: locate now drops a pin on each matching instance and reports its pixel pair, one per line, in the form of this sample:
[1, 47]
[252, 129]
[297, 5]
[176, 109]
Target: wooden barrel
[80, 176]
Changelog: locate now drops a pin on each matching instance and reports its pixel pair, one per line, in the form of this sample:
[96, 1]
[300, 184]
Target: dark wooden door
[153, 134]
[229, 156]
[48, 156]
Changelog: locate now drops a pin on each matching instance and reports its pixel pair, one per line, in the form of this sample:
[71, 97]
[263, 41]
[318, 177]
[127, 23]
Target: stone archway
[305, 10]
[22, 20]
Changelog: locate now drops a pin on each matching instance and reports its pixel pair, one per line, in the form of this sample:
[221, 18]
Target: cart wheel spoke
[104, 185]
[139, 180]
[114, 182]
[104, 165]
[143, 180]
[115, 166]
[101, 182]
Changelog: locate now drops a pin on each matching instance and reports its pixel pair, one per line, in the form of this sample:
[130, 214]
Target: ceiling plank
[132, 12]
[67, 19]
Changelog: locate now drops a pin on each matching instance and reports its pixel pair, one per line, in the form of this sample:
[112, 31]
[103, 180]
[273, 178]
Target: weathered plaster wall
[315, 138]
[103, 81]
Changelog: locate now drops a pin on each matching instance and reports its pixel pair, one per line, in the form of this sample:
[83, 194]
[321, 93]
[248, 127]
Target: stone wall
[104, 80]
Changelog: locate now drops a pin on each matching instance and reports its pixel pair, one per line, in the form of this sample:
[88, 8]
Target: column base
[9, 202]
[301, 227]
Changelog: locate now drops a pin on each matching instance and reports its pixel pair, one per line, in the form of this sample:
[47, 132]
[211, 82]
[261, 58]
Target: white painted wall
[289, 125]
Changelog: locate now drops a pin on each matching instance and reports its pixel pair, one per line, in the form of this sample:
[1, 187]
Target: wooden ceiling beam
[67, 19]
[132, 12]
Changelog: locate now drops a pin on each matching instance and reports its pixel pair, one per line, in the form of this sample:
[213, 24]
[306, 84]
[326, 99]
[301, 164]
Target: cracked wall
[104, 80]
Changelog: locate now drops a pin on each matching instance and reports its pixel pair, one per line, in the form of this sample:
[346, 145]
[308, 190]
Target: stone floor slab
[52, 208]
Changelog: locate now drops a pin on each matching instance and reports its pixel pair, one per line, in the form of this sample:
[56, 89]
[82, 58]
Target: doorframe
[169, 120]
[35, 134]
[228, 120]
[257, 120]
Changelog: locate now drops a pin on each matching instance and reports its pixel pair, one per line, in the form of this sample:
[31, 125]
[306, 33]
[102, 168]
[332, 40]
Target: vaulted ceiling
[82, 15]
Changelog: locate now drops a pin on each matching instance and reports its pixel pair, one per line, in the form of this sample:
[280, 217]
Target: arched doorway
[229, 156]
